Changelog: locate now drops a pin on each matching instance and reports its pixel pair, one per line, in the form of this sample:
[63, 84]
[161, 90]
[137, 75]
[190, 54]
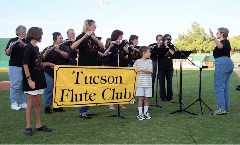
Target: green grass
[163, 128]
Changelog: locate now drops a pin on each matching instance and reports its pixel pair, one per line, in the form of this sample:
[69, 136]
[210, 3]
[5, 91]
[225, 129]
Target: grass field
[163, 128]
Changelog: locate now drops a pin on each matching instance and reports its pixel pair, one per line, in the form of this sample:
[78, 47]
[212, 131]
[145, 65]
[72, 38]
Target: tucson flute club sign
[76, 86]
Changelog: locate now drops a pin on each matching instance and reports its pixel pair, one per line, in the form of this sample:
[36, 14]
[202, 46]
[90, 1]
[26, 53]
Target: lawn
[163, 128]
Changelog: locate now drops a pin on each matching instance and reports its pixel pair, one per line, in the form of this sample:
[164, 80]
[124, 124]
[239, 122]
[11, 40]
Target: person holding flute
[15, 49]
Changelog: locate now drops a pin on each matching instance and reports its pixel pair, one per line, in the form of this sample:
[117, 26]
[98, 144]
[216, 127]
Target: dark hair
[143, 49]
[116, 34]
[55, 35]
[34, 33]
[132, 37]
[159, 36]
[107, 41]
[166, 35]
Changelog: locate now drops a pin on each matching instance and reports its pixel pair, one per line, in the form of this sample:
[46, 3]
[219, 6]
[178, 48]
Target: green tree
[195, 40]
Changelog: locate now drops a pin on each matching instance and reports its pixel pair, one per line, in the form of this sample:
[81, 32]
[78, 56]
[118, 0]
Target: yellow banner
[76, 86]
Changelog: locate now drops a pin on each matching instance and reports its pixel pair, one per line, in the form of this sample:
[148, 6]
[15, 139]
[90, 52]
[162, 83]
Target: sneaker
[227, 111]
[147, 116]
[43, 128]
[14, 106]
[140, 117]
[219, 111]
[58, 109]
[23, 105]
[47, 110]
[85, 116]
[28, 131]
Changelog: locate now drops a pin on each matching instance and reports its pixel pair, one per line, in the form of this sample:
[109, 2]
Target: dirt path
[5, 85]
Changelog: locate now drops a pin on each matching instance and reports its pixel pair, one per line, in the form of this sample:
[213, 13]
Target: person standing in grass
[144, 81]
[15, 67]
[223, 70]
[34, 79]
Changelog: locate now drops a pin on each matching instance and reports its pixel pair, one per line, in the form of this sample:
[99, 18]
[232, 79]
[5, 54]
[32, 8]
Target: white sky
[144, 18]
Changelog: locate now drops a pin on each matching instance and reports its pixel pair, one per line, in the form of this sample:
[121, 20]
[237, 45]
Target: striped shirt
[144, 79]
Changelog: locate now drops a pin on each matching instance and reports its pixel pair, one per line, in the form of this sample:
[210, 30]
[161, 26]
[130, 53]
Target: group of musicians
[90, 51]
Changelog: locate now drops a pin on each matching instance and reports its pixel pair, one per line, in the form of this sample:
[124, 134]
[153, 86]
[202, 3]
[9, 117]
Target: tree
[195, 40]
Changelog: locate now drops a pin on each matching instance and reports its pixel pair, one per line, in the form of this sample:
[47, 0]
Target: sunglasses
[90, 21]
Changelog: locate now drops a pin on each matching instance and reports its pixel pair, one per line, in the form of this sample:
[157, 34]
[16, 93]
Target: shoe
[28, 131]
[147, 116]
[58, 109]
[121, 106]
[90, 114]
[14, 106]
[227, 111]
[44, 129]
[85, 116]
[219, 111]
[140, 117]
[111, 107]
[47, 110]
[23, 105]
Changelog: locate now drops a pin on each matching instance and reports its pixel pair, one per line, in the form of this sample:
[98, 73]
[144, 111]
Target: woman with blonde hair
[88, 46]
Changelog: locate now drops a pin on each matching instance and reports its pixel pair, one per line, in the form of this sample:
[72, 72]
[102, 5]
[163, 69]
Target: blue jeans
[16, 89]
[48, 92]
[223, 70]
[83, 110]
[72, 62]
[168, 75]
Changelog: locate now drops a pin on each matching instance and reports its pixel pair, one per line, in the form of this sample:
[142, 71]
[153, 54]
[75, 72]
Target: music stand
[118, 115]
[200, 84]
[160, 52]
[181, 55]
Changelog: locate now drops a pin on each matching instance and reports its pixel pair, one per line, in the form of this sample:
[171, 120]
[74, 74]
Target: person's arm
[48, 64]
[62, 53]
[218, 43]
[9, 50]
[28, 76]
[101, 54]
[108, 49]
[79, 41]
[45, 53]
[100, 44]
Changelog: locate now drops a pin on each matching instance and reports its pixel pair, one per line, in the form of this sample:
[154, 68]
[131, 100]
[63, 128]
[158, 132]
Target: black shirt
[105, 59]
[113, 56]
[72, 52]
[165, 62]
[133, 55]
[16, 57]
[88, 51]
[225, 51]
[55, 58]
[153, 51]
[33, 59]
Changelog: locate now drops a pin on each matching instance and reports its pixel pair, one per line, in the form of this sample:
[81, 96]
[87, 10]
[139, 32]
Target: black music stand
[118, 115]
[200, 86]
[181, 55]
[160, 52]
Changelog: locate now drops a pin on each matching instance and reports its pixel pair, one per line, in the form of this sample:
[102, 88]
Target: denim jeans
[223, 70]
[72, 62]
[16, 89]
[83, 110]
[168, 75]
[48, 92]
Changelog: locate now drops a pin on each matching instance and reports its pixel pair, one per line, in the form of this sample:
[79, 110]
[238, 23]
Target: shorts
[35, 92]
[144, 91]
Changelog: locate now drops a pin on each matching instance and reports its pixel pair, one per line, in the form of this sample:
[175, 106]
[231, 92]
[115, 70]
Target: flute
[133, 45]
[116, 41]
[58, 45]
[16, 42]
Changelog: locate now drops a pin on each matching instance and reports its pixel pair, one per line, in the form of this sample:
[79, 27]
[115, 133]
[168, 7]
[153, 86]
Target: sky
[144, 18]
